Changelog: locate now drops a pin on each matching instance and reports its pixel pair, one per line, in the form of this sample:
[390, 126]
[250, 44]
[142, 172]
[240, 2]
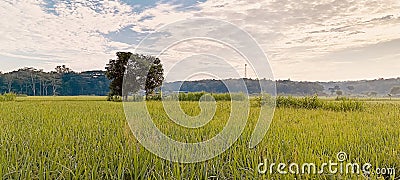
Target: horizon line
[252, 78]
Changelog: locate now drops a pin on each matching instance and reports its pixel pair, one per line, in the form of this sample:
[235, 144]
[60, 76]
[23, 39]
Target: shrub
[196, 96]
[264, 99]
[345, 105]
[155, 97]
[114, 98]
[225, 97]
[342, 104]
[8, 97]
[307, 102]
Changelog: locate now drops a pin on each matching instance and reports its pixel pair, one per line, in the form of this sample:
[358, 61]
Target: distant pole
[245, 70]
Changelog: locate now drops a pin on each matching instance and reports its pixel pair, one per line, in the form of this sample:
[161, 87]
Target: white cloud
[298, 36]
[300, 32]
[73, 35]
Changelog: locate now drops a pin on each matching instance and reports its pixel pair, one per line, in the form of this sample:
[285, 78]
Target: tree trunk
[40, 88]
[45, 87]
[33, 86]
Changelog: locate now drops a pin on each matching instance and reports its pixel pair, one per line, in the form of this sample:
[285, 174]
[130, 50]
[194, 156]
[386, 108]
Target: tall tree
[61, 81]
[32, 75]
[46, 83]
[57, 77]
[141, 72]
[55, 81]
[9, 79]
[155, 77]
[115, 72]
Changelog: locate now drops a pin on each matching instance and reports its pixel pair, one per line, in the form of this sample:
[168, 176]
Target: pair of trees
[140, 72]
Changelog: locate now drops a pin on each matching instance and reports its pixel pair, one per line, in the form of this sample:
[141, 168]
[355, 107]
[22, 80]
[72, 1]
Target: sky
[303, 40]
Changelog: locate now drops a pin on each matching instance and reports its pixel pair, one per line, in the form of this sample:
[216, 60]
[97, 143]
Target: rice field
[89, 138]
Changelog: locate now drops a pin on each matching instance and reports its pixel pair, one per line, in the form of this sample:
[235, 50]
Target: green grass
[88, 138]
[8, 97]
[62, 98]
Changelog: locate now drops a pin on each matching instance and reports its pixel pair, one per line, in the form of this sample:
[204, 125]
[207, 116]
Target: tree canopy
[62, 81]
[139, 71]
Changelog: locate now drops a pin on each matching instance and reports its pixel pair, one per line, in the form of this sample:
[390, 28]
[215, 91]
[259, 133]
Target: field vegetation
[8, 97]
[88, 137]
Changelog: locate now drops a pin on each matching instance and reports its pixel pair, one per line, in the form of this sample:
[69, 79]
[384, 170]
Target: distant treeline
[65, 82]
[62, 81]
[253, 86]
[362, 88]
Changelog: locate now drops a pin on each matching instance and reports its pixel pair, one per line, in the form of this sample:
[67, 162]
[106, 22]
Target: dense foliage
[363, 88]
[252, 86]
[65, 82]
[314, 102]
[115, 70]
[62, 81]
[8, 97]
[210, 97]
[140, 72]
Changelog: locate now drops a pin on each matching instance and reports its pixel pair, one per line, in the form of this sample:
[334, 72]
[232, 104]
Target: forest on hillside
[362, 88]
[65, 82]
[62, 82]
[253, 86]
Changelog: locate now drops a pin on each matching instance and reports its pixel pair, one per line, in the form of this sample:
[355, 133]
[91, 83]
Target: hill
[66, 82]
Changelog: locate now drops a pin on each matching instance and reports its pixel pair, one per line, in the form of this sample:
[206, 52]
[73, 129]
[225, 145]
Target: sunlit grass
[87, 137]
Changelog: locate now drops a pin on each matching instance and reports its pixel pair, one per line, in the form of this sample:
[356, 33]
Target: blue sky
[304, 40]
